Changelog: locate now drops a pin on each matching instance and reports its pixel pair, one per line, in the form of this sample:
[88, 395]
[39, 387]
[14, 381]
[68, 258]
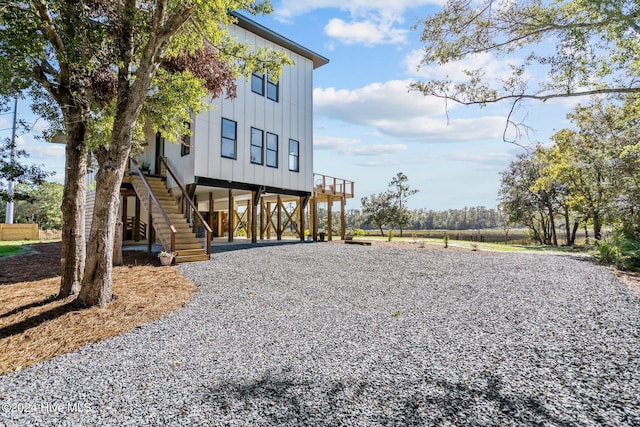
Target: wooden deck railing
[326, 184]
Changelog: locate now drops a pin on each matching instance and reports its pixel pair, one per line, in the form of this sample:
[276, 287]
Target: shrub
[621, 250]
[358, 232]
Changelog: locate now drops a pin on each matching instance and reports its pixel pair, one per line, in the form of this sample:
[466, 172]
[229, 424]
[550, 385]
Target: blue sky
[368, 126]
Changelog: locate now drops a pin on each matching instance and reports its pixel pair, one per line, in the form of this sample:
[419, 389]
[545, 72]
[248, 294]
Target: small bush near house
[622, 250]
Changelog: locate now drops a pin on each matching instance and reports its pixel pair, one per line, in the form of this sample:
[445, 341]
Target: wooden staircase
[187, 247]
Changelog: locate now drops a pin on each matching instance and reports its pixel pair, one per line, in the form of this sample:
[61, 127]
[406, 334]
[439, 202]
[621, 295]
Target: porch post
[125, 208]
[301, 220]
[211, 212]
[342, 218]
[231, 220]
[136, 221]
[279, 219]
[261, 218]
[329, 217]
[254, 214]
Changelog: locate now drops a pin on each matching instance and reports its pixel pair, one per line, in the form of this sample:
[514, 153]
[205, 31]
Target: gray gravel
[327, 334]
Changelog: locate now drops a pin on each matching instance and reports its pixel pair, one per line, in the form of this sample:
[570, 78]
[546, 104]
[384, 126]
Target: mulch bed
[35, 325]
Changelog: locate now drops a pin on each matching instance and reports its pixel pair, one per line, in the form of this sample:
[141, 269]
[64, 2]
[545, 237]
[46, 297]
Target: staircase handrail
[152, 197]
[209, 232]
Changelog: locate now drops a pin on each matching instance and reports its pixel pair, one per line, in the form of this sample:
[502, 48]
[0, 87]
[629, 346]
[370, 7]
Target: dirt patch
[35, 326]
[630, 278]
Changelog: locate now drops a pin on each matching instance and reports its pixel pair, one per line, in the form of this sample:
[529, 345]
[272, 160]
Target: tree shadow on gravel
[279, 400]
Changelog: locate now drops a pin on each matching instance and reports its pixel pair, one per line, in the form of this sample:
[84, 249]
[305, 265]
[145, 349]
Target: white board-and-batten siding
[291, 117]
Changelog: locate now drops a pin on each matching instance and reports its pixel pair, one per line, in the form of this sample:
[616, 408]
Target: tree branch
[48, 27]
[543, 98]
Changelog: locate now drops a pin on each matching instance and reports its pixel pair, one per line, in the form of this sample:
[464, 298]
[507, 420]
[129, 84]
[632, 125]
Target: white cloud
[39, 151]
[439, 130]
[46, 151]
[371, 21]
[355, 146]
[389, 100]
[394, 111]
[287, 9]
[455, 71]
[366, 32]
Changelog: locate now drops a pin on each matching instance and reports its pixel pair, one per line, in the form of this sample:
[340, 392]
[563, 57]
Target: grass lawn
[15, 248]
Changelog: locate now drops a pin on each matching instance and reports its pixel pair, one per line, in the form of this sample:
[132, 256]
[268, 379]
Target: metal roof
[265, 33]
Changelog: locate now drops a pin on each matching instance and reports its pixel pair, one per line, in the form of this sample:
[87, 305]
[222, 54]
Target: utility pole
[10, 191]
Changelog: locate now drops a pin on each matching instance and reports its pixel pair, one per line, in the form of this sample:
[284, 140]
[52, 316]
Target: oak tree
[583, 47]
[101, 63]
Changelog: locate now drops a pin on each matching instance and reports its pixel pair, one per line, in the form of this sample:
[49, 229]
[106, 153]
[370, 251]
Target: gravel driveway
[328, 334]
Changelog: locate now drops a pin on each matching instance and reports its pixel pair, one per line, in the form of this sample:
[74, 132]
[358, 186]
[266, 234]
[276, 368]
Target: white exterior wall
[289, 118]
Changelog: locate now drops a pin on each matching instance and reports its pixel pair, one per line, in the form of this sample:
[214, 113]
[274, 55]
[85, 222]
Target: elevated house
[246, 170]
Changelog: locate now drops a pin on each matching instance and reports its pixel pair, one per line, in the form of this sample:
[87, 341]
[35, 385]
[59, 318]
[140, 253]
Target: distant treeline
[468, 218]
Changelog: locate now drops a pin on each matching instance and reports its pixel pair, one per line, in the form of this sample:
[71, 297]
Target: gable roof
[272, 36]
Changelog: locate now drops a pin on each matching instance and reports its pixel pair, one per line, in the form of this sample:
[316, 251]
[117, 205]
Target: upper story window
[294, 155]
[185, 143]
[272, 89]
[258, 83]
[229, 138]
[272, 150]
[257, 145]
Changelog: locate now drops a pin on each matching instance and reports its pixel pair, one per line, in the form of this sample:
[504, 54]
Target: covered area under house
[187, 219]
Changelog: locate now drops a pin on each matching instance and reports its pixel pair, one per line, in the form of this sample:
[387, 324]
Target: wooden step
[187, 246]
[181, 229]
[192, 258]
[189, 255]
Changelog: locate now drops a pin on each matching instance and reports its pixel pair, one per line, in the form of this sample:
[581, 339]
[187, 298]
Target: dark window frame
[271, 150]
[274, 86]
[185, 143]
[257, 77]
[224, 138]
[261, 146]
[294, 156]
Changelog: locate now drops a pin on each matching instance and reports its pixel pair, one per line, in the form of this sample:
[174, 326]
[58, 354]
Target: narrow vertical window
[272, 150]
[257, 145]
[272, 89]
[257, 83]
[294, 155]
[229, 138]
[185, 143]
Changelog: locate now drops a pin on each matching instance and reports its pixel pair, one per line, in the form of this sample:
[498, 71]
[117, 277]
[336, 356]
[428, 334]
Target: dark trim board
[232, 185]
[272, 36]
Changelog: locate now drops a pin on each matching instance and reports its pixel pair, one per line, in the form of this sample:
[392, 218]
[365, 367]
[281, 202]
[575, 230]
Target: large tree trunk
[597, 226]
[73, 208]
[576, 224]
[567, 227]
[552, 226]
[97, 286]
